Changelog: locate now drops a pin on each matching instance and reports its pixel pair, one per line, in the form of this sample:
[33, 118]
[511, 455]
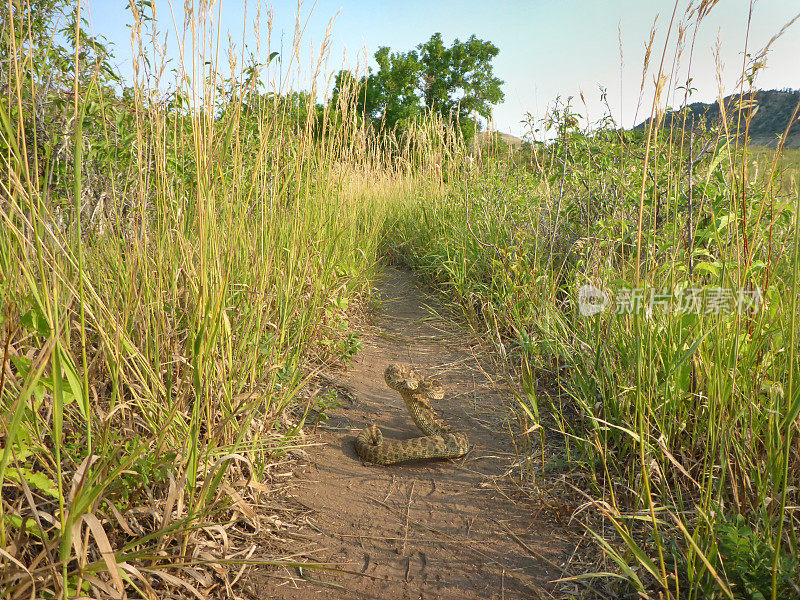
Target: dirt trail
[426, 529]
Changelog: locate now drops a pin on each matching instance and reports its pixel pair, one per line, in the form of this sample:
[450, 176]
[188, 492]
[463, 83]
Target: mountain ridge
[772, 111]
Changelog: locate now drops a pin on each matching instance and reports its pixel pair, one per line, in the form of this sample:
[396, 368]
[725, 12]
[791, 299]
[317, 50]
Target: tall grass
[681, 423]
[175, 259]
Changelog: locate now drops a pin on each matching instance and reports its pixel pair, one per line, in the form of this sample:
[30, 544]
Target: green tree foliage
[457, 82]
[46, 56]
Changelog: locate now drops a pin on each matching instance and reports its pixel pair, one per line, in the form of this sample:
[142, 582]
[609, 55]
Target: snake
[440, 439]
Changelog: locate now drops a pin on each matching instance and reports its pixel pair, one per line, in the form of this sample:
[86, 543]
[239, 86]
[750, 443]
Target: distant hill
[487, 137]
[775, 108]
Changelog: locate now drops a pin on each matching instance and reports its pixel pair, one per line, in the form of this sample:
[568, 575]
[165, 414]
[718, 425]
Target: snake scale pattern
[440, 439]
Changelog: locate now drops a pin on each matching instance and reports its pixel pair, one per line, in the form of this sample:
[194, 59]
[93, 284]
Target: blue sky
[547, 47]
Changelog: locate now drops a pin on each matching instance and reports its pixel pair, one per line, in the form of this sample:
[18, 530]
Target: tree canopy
[457, 82]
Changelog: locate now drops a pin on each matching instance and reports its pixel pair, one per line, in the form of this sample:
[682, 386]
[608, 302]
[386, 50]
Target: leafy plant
[747, 556]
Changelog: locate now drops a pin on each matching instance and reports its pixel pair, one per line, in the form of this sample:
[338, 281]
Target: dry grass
[173, 267]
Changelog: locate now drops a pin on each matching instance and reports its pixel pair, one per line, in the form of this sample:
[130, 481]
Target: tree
[458, 83]
[396, 86]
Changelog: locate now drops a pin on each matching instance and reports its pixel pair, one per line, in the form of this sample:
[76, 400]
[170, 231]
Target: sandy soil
[426, 529]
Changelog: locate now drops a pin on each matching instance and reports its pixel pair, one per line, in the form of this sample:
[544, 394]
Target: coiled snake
[440, 440]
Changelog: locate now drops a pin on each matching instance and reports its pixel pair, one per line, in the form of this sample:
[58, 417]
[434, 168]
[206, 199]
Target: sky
[548, 48]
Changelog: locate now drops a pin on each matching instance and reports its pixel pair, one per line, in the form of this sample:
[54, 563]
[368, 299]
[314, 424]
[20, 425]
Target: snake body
[440, 439]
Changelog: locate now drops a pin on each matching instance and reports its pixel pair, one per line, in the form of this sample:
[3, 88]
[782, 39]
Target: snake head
[401, 377]
[404, 378]
[431, 388]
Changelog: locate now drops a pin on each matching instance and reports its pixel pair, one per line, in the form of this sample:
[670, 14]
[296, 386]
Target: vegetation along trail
[423, 529]
[197, 316]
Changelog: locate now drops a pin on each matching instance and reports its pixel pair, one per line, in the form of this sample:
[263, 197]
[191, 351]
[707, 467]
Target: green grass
[787, 166]
[169, 278]
[170, 275]
[682, 425]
